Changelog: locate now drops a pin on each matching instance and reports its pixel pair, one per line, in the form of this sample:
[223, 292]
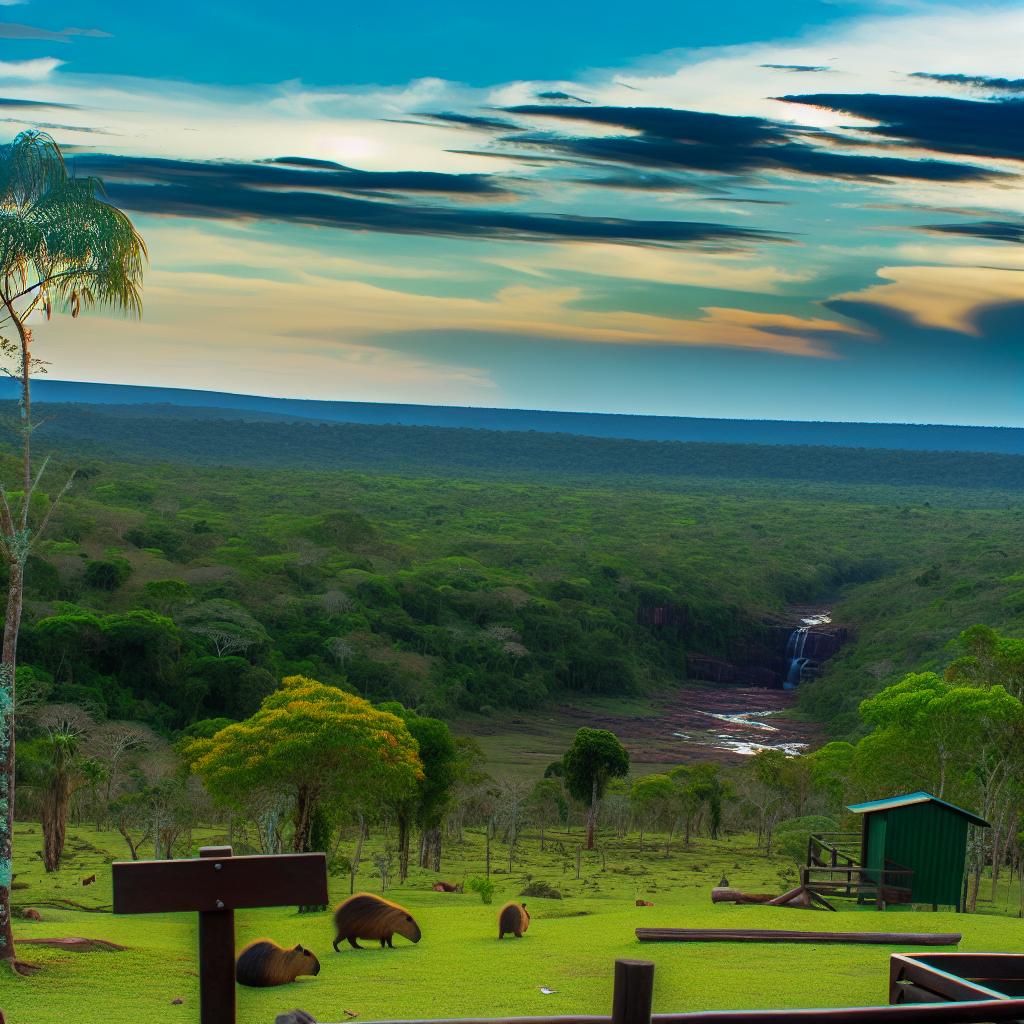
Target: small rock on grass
[294, 1017]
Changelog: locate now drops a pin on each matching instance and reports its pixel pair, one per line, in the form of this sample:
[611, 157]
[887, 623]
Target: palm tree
[61, 245]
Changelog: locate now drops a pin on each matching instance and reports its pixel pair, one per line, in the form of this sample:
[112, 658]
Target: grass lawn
[459, 968]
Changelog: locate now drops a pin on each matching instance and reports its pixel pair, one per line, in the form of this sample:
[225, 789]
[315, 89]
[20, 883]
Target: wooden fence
[833, 868]
[634, 988]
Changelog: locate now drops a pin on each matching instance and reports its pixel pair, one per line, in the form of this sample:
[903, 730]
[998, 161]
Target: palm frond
[59, 239]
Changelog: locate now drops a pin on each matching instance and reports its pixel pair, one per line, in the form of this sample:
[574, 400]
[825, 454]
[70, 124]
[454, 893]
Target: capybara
[644, 903]
[89, 880]
[447, 887]
[365, 916]
[263, 964]
[32, 915]
[513, 918]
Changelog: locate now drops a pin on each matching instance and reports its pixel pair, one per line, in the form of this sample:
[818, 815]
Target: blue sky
[807, 210]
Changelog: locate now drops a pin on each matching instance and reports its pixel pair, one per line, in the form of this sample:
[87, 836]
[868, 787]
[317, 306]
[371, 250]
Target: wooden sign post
[215, 885]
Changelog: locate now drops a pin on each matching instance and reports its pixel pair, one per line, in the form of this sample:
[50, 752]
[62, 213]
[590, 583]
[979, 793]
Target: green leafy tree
[654, 800]
[989, 659]
[594, 759]
[704, 787]
[106, 575]
[315, 745]
[61, 245]
[547, 805]
[426, 805]
[830, 768]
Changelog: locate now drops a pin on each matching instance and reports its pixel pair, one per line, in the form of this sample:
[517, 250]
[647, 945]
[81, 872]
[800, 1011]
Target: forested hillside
[174, 593]
[225, 438]
[909, 436]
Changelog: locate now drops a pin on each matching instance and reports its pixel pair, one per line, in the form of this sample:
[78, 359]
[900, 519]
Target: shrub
[541, 890]
[483, 886]
[101, 575]
[791, 836]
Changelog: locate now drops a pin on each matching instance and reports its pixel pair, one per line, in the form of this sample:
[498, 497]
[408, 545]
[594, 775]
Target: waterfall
[795, 655]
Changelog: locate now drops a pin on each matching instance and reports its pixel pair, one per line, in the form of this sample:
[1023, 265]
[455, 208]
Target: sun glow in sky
[801, 211]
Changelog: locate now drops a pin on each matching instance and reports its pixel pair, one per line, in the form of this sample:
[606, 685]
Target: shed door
[875, 856]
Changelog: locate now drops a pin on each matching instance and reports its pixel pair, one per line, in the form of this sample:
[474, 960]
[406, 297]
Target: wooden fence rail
[634, 986]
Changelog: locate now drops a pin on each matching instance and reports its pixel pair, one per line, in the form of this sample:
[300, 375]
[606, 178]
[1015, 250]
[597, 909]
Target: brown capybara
[263, 964]
[89, 880]
[32, 915]
[446, 887]
[365, 916]
[644, 903]
[513, 918]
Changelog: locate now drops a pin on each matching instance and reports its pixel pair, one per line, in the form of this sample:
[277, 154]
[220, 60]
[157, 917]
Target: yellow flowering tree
[315, 745]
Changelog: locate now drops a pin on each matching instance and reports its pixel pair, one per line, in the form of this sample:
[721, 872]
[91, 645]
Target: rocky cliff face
[768, 660]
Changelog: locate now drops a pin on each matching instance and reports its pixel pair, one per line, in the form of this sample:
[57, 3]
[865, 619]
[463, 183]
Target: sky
[802, 210]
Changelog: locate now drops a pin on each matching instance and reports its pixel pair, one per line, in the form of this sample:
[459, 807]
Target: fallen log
[720, 894]
[801, 897]
[775, 935]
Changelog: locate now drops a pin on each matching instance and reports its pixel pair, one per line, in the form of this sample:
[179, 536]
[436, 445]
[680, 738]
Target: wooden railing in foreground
[634, 987]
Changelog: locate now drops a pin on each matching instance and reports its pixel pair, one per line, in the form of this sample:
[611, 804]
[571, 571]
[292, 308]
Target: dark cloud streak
[979, 81]
[940, 124]
[241, 192]
[803, 68]
[990, 230]
[667, 138]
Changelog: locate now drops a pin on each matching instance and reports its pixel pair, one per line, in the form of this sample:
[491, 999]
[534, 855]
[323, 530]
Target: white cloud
[31, 70]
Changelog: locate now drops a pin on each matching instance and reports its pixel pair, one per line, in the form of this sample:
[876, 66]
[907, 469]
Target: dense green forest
[171, 595]
[179, 434]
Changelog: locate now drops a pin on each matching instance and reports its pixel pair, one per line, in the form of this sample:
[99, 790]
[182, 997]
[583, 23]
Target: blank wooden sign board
[215, 885]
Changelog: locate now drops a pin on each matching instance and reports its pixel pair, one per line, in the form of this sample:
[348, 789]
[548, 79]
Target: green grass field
[459, 968]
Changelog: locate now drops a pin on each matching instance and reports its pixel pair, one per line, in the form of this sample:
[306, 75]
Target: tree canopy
[321, 747]
[594, 759]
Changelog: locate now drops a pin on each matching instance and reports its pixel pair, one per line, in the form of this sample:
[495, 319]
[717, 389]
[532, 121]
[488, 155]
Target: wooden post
[215, 885]
[216, 954]
[634, 989]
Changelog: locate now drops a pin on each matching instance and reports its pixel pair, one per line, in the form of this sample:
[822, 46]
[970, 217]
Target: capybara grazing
[644, 903]
[89, 880]
[447, 887]
[365, 916]
[514, 918]
[263, 964]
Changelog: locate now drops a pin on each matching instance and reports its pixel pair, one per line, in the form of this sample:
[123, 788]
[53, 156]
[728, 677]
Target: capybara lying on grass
[263, 964]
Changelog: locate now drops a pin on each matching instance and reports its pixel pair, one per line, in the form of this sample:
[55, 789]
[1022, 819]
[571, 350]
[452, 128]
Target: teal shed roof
[915, 798]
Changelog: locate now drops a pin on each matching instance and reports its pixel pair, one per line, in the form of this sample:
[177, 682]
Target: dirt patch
[76, 944]
[725, 724]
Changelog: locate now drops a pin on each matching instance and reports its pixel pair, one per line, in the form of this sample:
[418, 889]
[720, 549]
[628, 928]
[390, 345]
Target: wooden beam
[217, 955]
[170, 886]
[633, 992]
[772, 935]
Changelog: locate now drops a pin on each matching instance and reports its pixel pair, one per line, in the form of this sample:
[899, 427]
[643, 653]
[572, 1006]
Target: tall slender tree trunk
[357, 854]
[16, 543]
[592, 816]
[403, 845]
[305, 805]
[55, 820]
[430, 848]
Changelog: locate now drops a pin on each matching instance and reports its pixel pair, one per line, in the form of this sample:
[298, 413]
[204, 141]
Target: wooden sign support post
[215, 885]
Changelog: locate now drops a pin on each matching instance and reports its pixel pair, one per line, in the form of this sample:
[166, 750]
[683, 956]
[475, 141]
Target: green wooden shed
[920, 833]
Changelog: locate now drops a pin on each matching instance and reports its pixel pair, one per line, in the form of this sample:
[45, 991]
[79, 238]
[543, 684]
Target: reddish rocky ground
[724, 724]
[695, 723]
